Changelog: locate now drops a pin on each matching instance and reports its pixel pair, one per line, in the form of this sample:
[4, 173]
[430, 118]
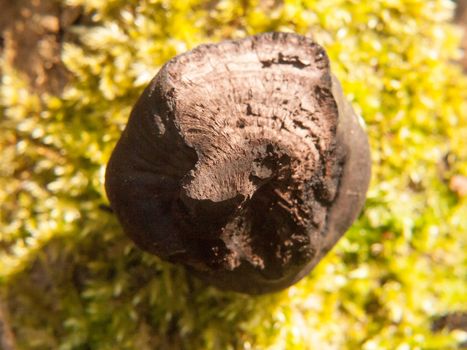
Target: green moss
[72, 280]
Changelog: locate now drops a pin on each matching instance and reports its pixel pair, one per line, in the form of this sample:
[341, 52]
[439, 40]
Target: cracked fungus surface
[242, 162]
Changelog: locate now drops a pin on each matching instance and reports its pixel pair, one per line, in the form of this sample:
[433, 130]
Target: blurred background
[71, 71]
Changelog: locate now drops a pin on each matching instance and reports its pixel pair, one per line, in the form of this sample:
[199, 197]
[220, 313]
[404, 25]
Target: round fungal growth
[242, 161]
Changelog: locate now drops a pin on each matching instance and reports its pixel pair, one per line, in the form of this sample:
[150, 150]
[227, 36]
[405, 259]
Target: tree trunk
[243, 162]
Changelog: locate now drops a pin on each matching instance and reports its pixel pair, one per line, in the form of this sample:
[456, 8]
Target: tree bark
[31, 35]
[242, 161]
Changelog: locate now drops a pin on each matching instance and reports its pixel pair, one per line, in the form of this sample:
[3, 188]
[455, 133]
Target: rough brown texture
[7, 340]
[32, 33]
[242, 161]
[461, 19]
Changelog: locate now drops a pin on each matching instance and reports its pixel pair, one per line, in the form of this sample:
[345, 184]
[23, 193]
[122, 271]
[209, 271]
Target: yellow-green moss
[73, 281]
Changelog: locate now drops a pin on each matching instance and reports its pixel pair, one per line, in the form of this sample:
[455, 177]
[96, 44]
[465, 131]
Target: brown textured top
[232, 161]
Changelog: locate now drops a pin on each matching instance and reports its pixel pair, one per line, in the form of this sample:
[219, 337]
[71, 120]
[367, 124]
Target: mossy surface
[72, 280]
